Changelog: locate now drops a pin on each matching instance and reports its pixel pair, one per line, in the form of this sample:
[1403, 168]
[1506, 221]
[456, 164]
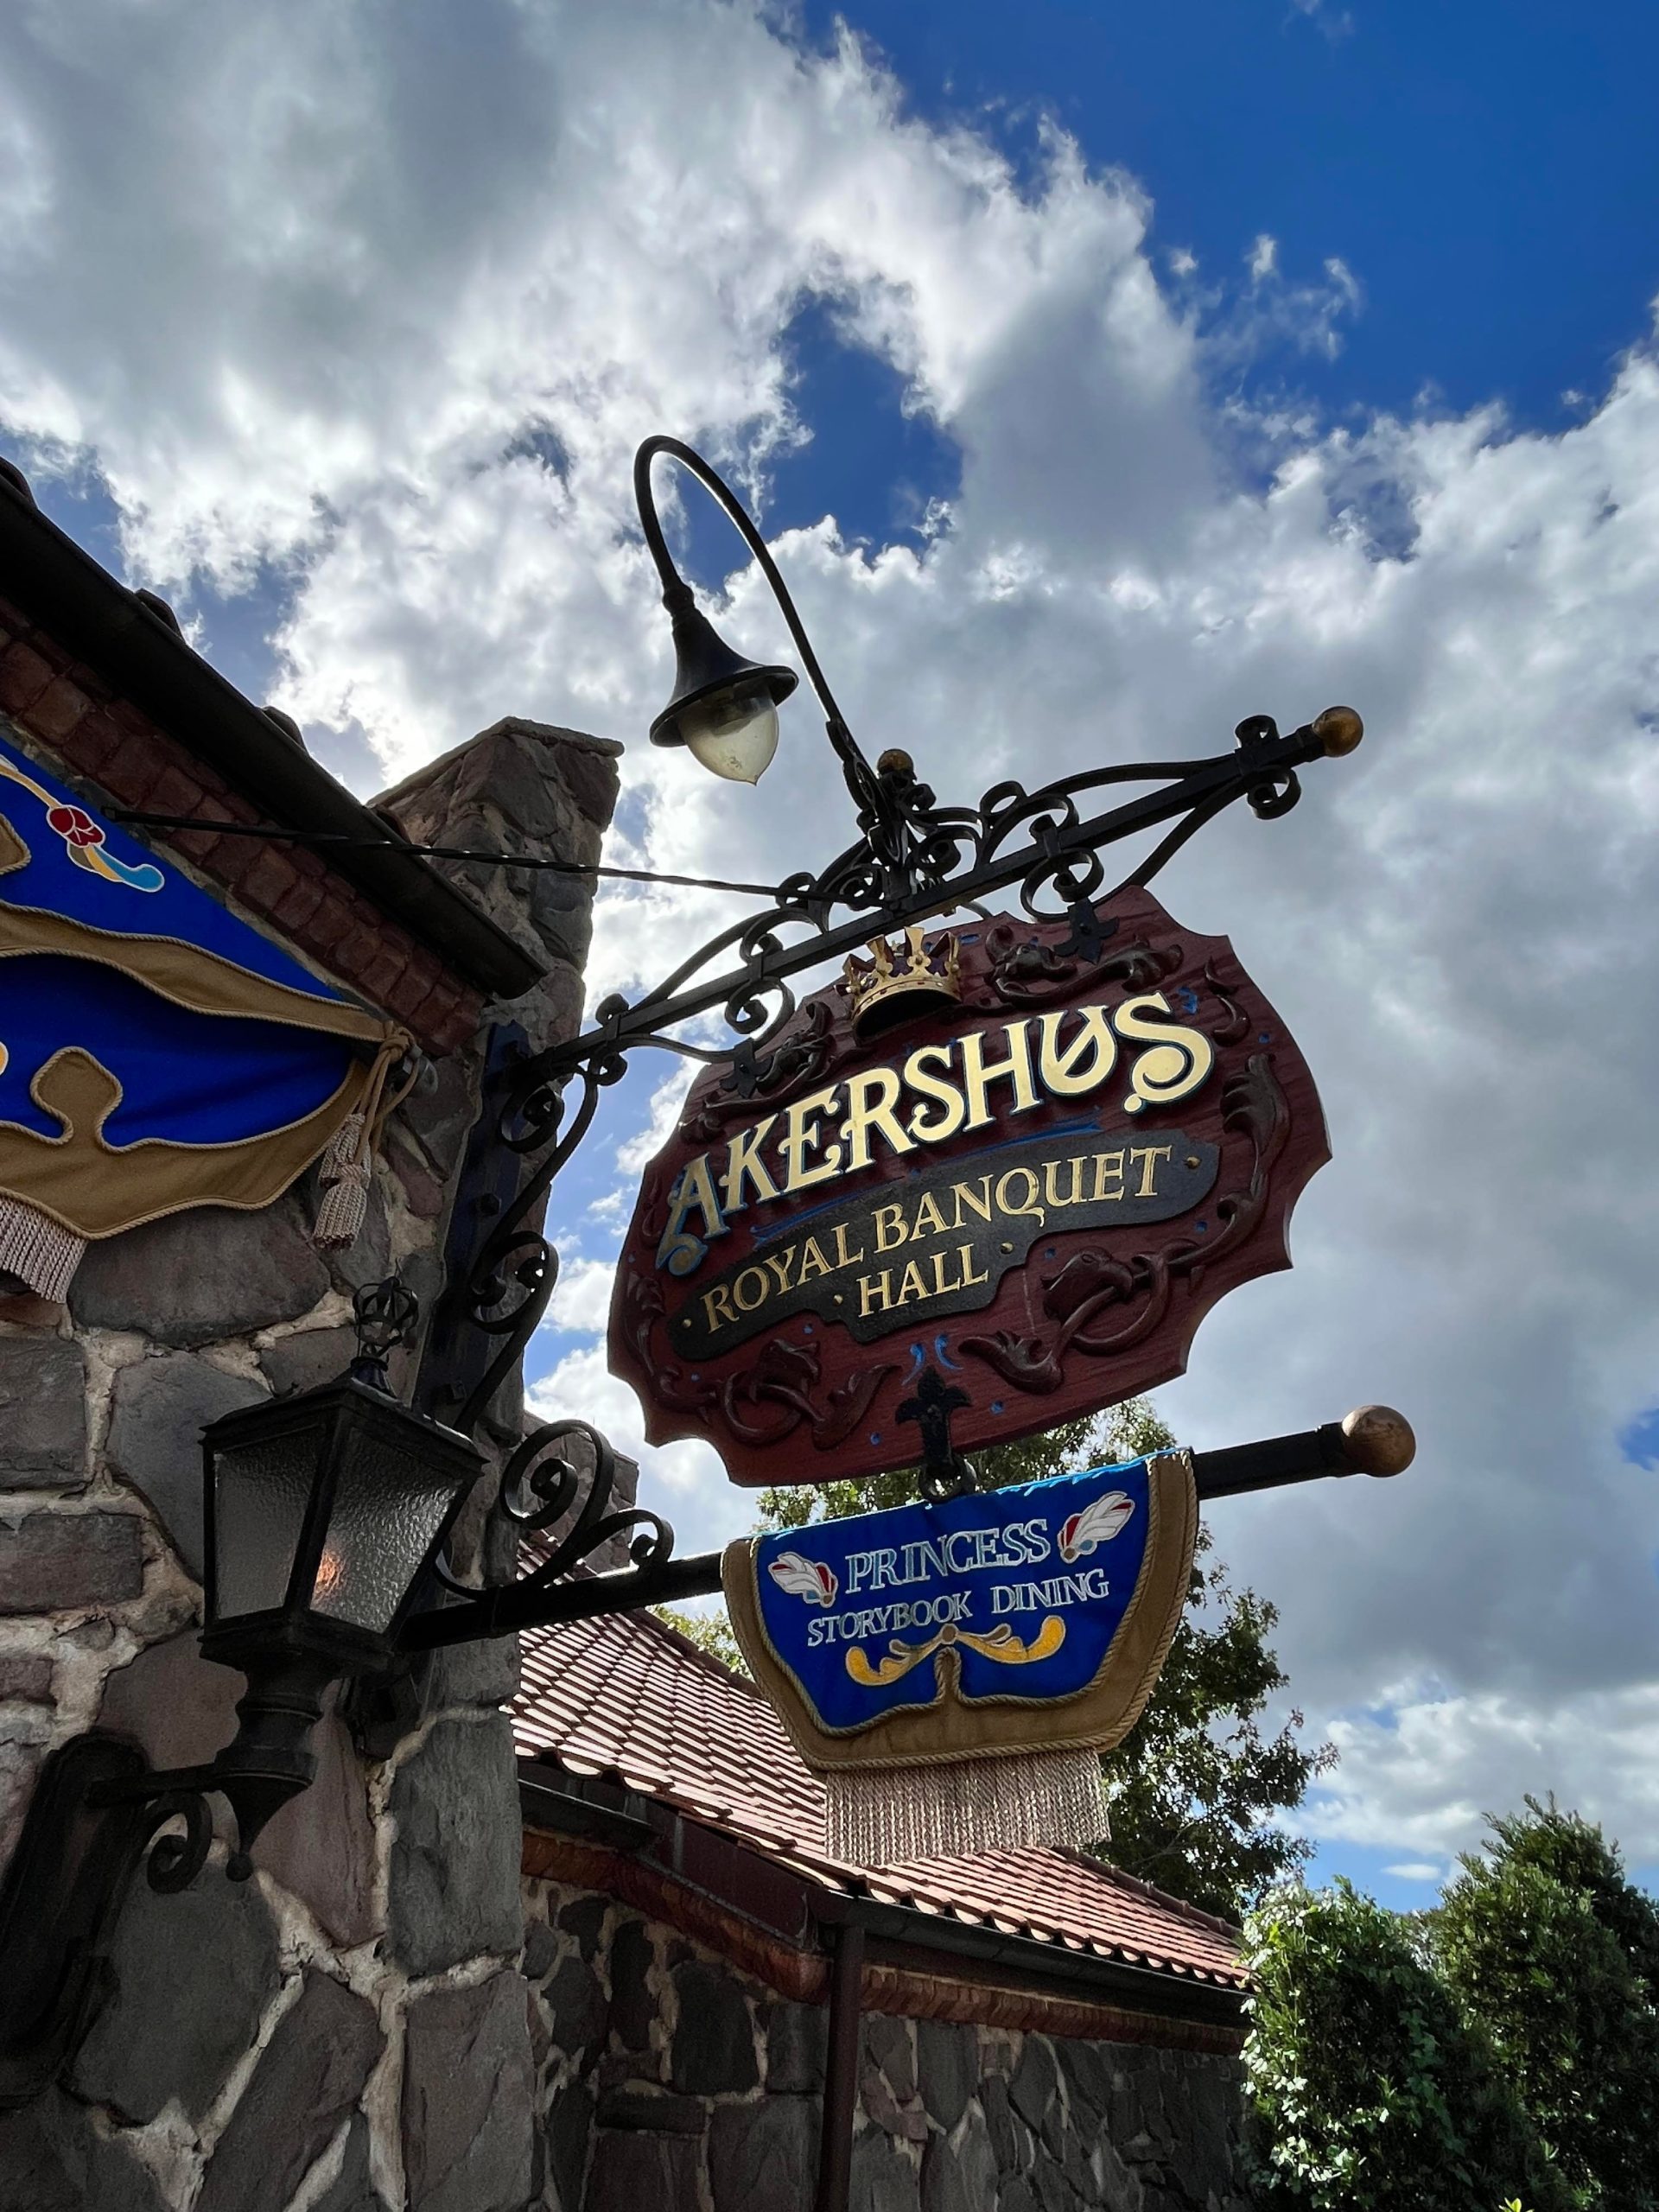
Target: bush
[1371, 2092]
[1546, 1944]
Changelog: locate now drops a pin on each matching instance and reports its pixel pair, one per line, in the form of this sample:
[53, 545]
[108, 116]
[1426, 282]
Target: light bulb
[732, 733]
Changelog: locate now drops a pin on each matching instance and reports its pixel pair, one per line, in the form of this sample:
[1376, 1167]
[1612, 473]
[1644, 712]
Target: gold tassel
[884, 1816]
[37, 1249]
[348, 1166]
[345, 1174]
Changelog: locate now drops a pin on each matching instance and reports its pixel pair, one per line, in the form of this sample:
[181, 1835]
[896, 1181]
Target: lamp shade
[321, 1511]
[722, 706]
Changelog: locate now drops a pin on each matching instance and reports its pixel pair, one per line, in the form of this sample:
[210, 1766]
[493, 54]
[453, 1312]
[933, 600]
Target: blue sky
[1488, 172]
[1103, 375]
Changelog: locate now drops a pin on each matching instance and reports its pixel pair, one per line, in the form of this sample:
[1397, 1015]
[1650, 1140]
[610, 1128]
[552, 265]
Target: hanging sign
[155, 1052]
[953, 1671]
[1031, 1155]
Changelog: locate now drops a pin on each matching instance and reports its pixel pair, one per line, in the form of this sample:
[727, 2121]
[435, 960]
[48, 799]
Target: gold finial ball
[893, 762]
[1377, 1441]
[1338, 730]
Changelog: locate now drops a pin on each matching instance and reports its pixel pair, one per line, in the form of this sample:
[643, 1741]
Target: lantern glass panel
[261, 1490]
[390, 1502]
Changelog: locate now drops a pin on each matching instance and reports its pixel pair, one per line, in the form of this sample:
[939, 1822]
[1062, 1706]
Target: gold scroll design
[95, 1189]
[1092, 1282]
[1001, 1644]
[945, 1727]
[84, 1183]
[190, 977]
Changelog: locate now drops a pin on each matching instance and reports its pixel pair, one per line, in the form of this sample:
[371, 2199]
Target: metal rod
[1210, 784]
[1374, 1440]
[1236, 1469]
[519, 1606]
[841, 2072]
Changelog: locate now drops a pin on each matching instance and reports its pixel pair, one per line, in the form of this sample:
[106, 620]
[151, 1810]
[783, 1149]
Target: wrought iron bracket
[958, 856]
[95, 1815]
[1372, 1440]
[932, 1406]
[99, 1811]
[457, 1354]
[501, 1267]
[914, 859]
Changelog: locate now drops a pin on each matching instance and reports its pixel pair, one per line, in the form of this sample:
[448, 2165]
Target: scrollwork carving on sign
[796, 1061]
[1024, 971]
[1093, 1282]
[786, 1375]
[642, 1312]
[1235, 1024]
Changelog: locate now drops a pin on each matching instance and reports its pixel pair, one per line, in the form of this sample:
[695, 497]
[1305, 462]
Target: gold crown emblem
[900, 982]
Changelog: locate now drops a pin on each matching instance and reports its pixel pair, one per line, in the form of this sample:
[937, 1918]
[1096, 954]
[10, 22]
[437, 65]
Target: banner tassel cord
[346, 1167]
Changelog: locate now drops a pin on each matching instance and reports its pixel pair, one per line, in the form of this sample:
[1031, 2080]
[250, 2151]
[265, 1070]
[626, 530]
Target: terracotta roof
[627, 1697]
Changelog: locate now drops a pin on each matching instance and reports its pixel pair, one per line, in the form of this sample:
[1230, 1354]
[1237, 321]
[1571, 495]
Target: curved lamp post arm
[861, 780]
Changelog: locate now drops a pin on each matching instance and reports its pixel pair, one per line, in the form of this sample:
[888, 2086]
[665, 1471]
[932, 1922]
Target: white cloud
[1417, 1870]
[1428, 1774]
[337, 289]
[582, 1296]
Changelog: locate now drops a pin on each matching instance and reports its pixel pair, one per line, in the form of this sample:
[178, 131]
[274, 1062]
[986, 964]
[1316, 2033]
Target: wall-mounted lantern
[323, 1510]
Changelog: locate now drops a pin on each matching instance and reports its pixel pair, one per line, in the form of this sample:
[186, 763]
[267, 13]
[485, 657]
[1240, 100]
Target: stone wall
[669, 2081]
[350, 2029]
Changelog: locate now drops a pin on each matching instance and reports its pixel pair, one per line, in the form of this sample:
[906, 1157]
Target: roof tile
[627, 1695]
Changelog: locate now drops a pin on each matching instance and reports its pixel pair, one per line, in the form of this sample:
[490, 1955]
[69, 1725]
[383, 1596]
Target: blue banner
[156, 1051]
[70, 862]
[1002, 1595]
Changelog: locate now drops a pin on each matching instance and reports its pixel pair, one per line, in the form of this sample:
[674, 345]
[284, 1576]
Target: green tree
[1546, 1943]
[1193, 1787]
[711, 1633]
[1370, 2090]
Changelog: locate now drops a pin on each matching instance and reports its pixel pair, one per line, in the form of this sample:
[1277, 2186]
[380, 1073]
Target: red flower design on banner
[74, 825]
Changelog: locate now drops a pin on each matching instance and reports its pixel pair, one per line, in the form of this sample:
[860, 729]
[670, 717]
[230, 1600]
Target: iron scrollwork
[914, 859]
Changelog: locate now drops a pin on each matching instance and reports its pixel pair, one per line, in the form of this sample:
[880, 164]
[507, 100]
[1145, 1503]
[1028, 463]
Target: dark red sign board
[1062, 1149]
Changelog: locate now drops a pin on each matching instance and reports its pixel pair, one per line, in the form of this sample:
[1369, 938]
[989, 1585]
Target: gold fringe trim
[882, 1817]
[38, 1249]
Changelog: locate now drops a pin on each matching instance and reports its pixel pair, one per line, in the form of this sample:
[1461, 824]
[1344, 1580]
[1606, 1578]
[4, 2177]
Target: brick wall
[63, 706]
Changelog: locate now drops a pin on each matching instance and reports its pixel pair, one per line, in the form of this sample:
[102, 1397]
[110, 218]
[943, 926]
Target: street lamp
[724, 707]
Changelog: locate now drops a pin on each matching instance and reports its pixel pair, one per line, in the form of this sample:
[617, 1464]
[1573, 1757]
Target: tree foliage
[711, 1633]
[1502, 2051]
[1547, 1943]
[1193, 1787]
[1372, 2091]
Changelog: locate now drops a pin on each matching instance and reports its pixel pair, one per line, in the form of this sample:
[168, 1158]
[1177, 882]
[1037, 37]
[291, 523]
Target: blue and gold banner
[996, 1625]
[155, 1052]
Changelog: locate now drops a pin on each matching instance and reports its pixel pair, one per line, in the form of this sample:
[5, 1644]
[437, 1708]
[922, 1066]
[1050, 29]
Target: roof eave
[603, 1811]
[902, 1928]
[95, 618]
